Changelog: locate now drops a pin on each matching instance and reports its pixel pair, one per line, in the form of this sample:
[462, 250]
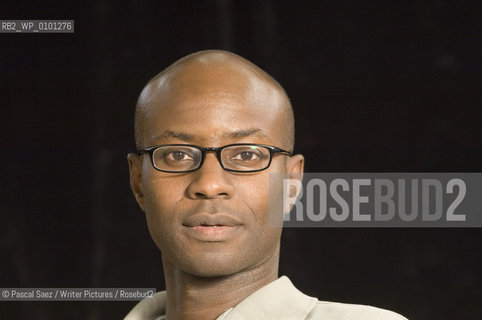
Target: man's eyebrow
[247, 133]
[163, 137]
[166, 135]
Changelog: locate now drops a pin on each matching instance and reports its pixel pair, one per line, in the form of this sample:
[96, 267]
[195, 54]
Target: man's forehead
[207, 86]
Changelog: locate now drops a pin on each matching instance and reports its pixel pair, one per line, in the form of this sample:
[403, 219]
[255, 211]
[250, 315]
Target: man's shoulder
[346, 311]
[282, 300]
[278, 300]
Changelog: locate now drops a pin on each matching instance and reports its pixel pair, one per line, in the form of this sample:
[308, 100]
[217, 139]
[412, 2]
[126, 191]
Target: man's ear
[295, 166]
[294, 171]
[135, 172]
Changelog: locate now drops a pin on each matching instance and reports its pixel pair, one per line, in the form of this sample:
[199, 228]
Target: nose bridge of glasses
[216, 153]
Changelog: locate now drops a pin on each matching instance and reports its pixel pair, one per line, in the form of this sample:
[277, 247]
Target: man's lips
[210, 220]
[211, 227]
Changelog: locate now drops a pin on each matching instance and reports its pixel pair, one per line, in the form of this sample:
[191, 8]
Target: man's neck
[194, 297]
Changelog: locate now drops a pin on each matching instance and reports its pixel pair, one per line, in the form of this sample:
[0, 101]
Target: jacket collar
[278, 300]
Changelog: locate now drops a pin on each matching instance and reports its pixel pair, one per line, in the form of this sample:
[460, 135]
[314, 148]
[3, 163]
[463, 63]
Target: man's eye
[246, 156]
[178, 156]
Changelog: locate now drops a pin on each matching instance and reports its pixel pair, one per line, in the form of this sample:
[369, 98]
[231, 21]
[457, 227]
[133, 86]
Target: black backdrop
[382, 86]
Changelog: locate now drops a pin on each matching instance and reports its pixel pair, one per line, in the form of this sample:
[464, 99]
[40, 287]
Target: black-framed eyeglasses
[239, 157]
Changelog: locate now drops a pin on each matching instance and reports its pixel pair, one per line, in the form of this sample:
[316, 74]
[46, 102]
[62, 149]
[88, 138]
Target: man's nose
[210, 181]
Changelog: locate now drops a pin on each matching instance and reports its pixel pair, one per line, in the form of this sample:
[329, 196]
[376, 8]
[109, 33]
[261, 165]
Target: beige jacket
[279, 300]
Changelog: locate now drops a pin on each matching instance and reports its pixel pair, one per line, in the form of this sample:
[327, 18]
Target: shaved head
[213, 68]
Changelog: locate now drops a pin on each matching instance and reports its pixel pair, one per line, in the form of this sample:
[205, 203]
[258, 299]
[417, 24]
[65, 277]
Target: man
[210, 129]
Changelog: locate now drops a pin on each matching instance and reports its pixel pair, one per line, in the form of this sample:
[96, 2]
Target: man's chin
[212, 270]
[210, 265]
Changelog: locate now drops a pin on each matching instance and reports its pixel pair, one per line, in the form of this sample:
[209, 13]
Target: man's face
[212, 222]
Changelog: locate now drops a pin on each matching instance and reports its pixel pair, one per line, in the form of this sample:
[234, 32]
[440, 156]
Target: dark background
[381, 86]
